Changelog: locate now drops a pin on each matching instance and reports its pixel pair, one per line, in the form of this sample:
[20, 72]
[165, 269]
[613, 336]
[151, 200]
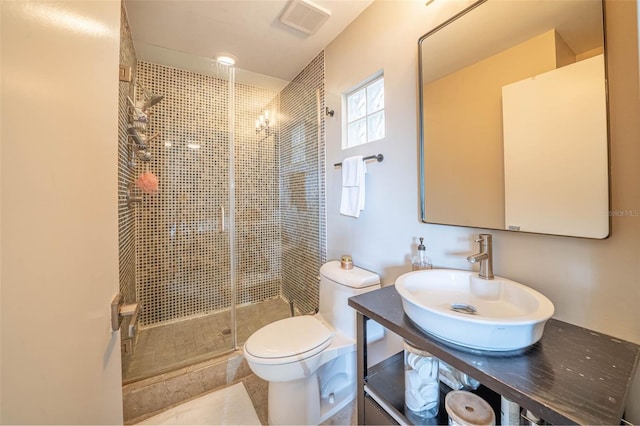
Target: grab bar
[221, 219]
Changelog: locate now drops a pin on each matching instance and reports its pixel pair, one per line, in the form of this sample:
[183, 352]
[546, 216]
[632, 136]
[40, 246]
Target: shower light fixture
[262, 124]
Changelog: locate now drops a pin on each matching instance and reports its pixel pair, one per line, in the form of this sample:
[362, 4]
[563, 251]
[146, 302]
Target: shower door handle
[221, 219]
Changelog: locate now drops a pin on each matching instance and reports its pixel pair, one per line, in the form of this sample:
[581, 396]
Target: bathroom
[59, 223]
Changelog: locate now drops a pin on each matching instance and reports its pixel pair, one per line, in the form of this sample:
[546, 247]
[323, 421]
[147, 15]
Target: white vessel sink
[458, 307]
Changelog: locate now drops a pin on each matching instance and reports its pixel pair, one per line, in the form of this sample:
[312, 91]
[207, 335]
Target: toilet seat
[289, 340]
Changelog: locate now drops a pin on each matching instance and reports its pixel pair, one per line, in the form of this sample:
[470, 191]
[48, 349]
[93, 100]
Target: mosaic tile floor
[167, 347]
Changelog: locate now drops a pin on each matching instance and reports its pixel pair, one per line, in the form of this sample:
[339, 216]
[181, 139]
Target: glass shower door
[184, 232]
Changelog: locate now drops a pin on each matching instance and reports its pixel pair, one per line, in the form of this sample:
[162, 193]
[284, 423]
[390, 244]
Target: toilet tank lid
[355, 277]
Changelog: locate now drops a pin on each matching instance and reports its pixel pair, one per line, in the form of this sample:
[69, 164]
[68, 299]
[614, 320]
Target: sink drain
[464, 308]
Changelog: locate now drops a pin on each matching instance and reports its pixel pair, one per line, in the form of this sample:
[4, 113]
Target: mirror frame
[421, 128]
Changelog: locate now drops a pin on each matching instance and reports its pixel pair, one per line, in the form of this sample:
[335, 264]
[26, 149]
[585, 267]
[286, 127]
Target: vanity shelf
[571, 376]
[384, 384]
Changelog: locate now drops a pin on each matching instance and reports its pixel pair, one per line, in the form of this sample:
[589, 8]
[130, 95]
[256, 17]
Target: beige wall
[60, 360]
[593, 283]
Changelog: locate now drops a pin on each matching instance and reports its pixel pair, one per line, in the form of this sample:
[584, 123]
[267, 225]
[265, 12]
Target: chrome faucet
[485, 257]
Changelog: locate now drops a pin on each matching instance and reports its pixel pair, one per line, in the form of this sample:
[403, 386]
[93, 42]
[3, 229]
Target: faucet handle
[484, 238]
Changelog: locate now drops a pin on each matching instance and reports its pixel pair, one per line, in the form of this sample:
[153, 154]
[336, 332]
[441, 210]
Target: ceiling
[164, 31]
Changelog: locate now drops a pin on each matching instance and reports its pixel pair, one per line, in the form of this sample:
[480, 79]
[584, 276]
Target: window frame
[363, 85]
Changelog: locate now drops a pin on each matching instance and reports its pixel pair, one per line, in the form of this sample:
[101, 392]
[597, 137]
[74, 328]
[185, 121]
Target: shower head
[149, 102]
[150, 98]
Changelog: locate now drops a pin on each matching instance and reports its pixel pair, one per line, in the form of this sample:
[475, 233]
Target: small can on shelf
[468, 409]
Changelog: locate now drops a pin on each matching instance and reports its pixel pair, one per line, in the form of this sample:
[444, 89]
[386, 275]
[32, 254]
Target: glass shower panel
[183, 231]
[258, 247]
[301, 186]
[279, 198]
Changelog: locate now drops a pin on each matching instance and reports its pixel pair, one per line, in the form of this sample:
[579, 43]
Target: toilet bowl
[309, 361]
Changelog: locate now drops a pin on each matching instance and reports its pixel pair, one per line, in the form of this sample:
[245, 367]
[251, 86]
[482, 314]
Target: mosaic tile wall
[302, 160]
[182, 254]
[126, 218]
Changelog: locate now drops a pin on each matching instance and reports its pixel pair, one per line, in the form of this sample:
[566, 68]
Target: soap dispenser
[421, 261]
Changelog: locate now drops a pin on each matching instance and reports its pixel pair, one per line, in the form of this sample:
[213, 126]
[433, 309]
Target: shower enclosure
[236, 230]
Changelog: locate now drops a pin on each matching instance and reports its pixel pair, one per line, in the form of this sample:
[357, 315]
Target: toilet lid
[289, 337]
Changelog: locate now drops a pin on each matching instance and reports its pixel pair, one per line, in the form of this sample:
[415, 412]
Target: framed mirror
[514, 119]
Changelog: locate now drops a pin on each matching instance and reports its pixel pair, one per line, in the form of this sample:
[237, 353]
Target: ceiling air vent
[304, 16]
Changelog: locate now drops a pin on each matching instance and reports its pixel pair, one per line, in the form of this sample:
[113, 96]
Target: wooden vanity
[571, 376]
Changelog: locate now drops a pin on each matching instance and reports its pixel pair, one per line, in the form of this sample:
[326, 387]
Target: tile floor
[243, 403]
[164, 348]
[228, 406]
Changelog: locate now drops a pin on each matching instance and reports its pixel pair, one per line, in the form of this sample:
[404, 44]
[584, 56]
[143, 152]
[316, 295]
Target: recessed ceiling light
[226, 59]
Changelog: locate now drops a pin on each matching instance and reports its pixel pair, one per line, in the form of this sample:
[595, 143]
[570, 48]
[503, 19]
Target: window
[364, 112]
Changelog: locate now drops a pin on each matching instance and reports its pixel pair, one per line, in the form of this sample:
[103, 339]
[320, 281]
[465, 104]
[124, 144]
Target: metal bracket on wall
[131, 197]
[119, 310]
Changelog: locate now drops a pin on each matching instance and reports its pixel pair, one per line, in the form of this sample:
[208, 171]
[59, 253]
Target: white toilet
[309, 361]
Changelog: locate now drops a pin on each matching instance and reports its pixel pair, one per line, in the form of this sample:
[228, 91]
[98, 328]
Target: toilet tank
[337, 285]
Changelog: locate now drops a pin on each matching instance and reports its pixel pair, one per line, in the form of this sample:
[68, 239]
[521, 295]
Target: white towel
[353, 188]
